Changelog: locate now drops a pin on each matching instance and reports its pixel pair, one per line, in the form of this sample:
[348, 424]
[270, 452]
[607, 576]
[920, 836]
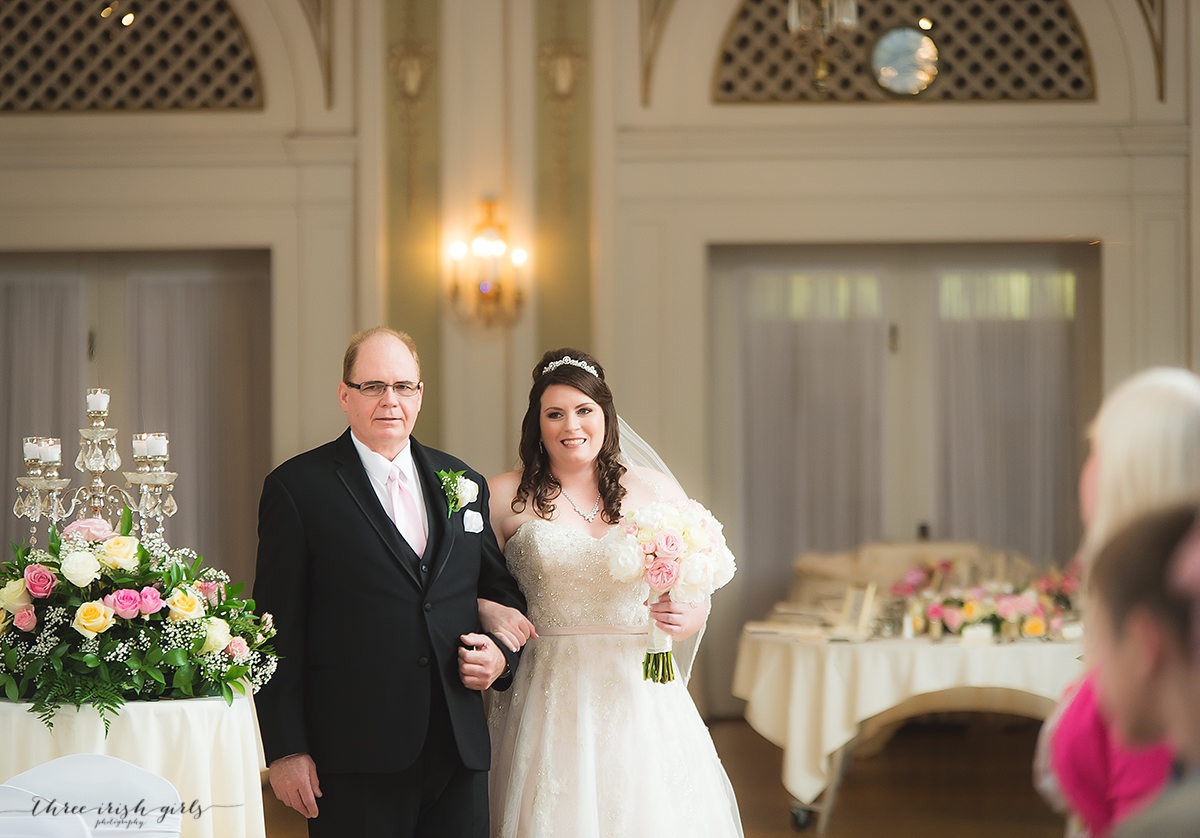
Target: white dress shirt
[379, 467]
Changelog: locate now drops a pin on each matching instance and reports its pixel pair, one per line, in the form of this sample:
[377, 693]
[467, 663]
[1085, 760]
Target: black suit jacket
[362, 629]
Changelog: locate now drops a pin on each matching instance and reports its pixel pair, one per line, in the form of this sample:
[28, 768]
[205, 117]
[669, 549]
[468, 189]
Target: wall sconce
[485, 275]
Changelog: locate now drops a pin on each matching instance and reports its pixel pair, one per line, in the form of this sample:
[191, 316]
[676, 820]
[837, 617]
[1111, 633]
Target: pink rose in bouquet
[238, 649]
[952, 618]
[126, 603]
[39, 580]
[902, 589]
[669, 544]
[211, 591]
[935, 611]
[1006, 607]
[92, 529]
[914, 576]
[152, 601]
[662, 574]
[24, 618]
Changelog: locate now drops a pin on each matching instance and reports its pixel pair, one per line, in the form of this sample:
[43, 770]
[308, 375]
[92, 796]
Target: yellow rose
[972, 610]
[5, 621]
[92, 618]
[1033, 626]
[120, 553]
[645, 536]
[218, 636]
[13, 596]
[185, 605]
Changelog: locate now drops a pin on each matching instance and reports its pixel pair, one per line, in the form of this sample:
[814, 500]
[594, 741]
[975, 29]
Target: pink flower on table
[152, 601]
[1056, 624]
[238, 649]
[1025, 604]
[952, 618]
[662, 574]
[92, 529]
[1070, 584]
[126, 603]
[914, 576]
[902, 589]
[1006, 607]
[934, 611]
[39, 580]
[211, 591]
[24, 618]
[670, 544]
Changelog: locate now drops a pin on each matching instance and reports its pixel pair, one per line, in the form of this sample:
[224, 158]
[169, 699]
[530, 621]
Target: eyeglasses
[375, 389]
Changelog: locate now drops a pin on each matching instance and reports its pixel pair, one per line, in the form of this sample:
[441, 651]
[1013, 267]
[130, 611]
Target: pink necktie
[405, 513]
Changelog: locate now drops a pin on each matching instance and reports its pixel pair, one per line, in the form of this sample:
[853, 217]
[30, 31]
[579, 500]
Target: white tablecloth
[812, 697]
[211, 753]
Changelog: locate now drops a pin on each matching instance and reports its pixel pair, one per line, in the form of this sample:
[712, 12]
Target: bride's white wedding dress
[582, 747]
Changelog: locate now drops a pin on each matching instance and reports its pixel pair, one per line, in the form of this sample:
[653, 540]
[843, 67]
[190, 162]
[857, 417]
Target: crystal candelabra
[41, 493]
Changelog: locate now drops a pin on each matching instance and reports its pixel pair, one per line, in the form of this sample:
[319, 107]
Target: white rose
[725, 568]
[218, 636]
[468, 491]
[695, 578]
[626, 561]
[14, 596]
[81, 568]
[120, 552]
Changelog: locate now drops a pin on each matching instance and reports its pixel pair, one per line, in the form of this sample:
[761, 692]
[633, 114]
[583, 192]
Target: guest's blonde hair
[1147, 435]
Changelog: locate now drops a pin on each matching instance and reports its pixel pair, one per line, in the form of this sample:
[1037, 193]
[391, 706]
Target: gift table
[815, 698]
[211, 752]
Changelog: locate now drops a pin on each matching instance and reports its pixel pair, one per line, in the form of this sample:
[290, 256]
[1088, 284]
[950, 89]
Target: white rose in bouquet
[695, 578]
[626, 562]
[218, 636]
[81, 568]
[725, 567]
[14, 596]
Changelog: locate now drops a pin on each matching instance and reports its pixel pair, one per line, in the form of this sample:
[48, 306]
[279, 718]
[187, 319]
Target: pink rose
[39, 580]
[934, 611]
[1056, 624]
[670, 544]
[631, 529]
[914, 576]
[24, 618]
[1025, 605]
[903, 590]
[212, 591]
[1046, 584]
[952, 618]
[648, 547]
[93, 529]
[238, 649]
[662, 574]
[126, 603]
[1006, 607]
[151, 601]
[1069, 585]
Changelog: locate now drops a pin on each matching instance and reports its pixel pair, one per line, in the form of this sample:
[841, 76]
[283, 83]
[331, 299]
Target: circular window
[905, 61]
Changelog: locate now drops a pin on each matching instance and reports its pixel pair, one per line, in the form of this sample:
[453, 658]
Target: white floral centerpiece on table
[678, 549]
[101, 617]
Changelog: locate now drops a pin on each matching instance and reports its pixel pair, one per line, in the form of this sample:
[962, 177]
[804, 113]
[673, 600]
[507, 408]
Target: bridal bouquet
[104, 618]
[678, 549]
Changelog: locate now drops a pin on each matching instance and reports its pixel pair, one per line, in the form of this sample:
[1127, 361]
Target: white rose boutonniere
[460, 490]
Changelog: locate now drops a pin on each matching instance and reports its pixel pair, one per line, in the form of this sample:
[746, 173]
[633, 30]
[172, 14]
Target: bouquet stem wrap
[658, 665]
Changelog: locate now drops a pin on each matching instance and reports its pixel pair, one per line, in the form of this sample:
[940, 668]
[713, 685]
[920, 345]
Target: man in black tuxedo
[372, 571]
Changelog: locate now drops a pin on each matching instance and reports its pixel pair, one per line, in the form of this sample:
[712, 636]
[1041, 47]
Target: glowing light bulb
[925, 23]
[107, 11]
[498, 247]
[519, 256]
[128, 19]
[458, 250]
[481, 246]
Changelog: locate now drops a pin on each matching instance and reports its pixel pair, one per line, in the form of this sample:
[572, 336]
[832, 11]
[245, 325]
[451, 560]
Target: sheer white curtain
[199, 369]
[43, 345]
[1006, 410]
[812, 356]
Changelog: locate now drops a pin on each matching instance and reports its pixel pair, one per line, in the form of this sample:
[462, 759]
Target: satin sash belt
[567, 631]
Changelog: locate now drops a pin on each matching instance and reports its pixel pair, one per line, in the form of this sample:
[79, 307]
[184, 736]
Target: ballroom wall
[321, 177]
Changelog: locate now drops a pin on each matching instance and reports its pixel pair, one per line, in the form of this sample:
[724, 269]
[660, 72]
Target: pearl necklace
[589, 517]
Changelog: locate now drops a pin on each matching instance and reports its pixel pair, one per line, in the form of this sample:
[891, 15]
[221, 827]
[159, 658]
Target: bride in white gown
[582, 746]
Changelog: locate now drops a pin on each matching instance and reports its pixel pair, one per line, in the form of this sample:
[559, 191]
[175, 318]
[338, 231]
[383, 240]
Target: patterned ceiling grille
[59, 55]
[988, 50]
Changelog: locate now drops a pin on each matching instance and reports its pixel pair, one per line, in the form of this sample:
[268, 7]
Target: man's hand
[510, 626]
[480, 661]
[294, 781]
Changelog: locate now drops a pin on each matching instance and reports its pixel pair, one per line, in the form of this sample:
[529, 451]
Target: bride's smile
[572, 426]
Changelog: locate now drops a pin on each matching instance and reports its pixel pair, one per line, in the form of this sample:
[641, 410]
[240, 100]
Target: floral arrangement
[460, 490]
[679, 550]
[104, 618]
[1039, 610]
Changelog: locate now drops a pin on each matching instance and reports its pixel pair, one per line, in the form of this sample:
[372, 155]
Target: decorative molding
[988, 52]
[652, 21]
[149, 152]
[410, 63]
[563, 64]
[1154, 13]
[898, 142]
[135, 57]
[320, 23]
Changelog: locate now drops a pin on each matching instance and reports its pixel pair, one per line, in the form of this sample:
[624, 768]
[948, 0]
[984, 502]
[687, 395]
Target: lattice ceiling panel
[59, 55]
[988, 50]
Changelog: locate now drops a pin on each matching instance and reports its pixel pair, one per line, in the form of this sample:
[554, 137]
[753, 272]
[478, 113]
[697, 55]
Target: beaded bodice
[565, 579]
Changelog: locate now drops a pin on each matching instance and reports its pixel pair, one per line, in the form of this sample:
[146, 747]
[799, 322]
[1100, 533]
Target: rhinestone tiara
[567, 359]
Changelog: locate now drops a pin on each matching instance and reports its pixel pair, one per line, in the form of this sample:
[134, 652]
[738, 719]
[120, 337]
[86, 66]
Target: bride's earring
[541, 447]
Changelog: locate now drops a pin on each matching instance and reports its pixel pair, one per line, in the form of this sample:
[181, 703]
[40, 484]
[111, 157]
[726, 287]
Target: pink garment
[1104, 781]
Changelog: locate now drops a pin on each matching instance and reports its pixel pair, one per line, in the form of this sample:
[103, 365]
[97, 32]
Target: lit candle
[31, 448]
[50, 451]
[139, 447]
[97, 401]
[156, 445]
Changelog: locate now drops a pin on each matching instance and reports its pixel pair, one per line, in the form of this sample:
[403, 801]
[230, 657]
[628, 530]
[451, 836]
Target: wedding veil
[638, 453]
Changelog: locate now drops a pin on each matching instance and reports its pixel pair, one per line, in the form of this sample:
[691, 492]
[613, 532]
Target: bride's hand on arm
[679, 619]
[510, 626]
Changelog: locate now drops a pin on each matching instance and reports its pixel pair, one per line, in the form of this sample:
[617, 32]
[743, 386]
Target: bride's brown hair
[538, 484]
